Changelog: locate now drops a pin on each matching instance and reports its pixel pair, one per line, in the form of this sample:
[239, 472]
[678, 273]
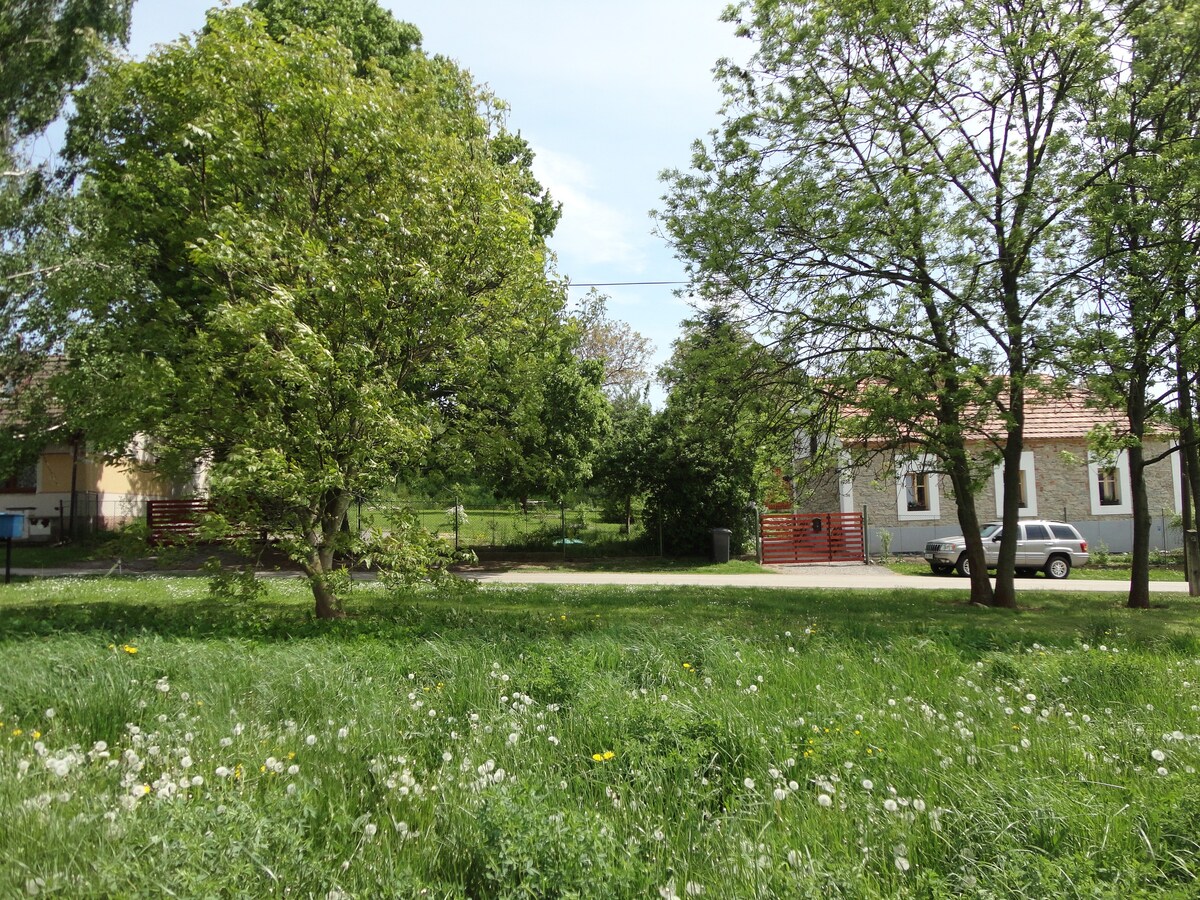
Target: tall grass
[594, 742]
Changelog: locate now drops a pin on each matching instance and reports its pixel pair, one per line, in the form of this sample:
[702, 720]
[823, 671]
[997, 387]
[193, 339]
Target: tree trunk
[1139, 578]
[1006, 590]
[968, 521]
[322, 539]
[1189, 462]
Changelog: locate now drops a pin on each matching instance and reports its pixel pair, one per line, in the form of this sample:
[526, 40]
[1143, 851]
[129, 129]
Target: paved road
[849, 576]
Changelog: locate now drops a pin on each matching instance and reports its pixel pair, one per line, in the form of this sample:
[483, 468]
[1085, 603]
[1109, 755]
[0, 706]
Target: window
[916, 489]
[24, 482]
[1064, 532]
[1027, 499]
[1108, 483]
[1037, 533]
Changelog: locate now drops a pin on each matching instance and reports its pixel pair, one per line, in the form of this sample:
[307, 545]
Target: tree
[376, 39]
[624, 353]
[622, 468]
[891, 199]
[305, 267]
[1136, 347]
[710, 448]
[46, 48]
[538, 432]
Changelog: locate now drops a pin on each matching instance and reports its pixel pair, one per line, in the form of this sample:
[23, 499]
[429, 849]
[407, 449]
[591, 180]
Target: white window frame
[1121, 463]
[903, 470]
[1029, 468]
[846, 485]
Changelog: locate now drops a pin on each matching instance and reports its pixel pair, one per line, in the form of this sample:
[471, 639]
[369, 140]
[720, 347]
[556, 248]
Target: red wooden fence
[812, 538]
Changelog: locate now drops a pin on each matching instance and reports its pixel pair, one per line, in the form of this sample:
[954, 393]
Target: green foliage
[623, 461]
[714, 443]
[312, 271]
[538, 433]
[46, 47]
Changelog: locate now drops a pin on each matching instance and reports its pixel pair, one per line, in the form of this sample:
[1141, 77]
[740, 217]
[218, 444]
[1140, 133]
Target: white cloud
[592, 233]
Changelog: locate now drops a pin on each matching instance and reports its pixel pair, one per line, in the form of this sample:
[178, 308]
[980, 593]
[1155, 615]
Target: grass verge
[530, 741]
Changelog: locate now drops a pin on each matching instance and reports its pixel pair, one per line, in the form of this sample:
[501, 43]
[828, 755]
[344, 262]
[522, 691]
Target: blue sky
[608, 94]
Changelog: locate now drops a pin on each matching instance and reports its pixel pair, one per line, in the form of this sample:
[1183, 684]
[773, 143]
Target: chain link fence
[532, 526]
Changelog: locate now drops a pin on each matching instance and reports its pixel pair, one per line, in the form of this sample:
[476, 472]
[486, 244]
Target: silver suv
[1052, 547]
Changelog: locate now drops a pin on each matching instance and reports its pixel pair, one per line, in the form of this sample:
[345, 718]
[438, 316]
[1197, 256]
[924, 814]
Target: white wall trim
[1125, 507]
[920, 464]
[1031, 494]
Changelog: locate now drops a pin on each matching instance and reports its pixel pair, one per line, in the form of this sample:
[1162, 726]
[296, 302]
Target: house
[68, 491]
[906, 496]
[65, 480]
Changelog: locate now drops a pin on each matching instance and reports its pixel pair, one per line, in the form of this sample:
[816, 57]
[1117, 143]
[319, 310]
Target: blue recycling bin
[12, 525]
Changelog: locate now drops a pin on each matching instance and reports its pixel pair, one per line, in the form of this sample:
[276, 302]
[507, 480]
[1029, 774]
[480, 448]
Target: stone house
[908, 498]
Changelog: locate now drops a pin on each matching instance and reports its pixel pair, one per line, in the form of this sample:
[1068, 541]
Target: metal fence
[535, 526]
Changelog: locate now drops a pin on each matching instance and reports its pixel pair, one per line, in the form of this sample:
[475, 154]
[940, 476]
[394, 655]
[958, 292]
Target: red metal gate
[812, 538]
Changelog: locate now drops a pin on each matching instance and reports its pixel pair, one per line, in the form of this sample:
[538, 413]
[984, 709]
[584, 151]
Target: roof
[1070, 413]
[1067, 416]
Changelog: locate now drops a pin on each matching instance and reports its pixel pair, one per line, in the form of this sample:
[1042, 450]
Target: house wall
[1061, 485]
[109, 493]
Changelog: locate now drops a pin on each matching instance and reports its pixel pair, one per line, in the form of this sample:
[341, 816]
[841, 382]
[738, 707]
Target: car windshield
[990, 529]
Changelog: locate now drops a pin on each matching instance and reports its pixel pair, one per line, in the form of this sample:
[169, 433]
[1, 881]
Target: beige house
[106, 494]
[906, 495]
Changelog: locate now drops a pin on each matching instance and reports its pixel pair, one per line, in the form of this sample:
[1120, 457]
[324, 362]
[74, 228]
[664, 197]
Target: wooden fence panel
[172, 520]
[812, 538]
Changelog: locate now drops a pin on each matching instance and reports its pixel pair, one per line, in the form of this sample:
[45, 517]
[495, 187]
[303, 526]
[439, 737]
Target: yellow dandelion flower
[598, 757]
[608, 754]
[130, 649]
[291, 754]
[17, 732]
[563, 618]
[145, 788]
[687, 665]
[35, 734]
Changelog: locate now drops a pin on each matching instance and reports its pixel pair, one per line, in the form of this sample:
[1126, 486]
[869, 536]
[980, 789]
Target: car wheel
[942, 569]
[964, 566]
[1058, 567]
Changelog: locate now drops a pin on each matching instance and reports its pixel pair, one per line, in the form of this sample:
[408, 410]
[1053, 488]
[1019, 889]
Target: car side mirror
[996, 539]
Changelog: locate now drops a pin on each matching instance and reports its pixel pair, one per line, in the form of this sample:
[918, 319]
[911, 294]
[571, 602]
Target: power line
[618, 283]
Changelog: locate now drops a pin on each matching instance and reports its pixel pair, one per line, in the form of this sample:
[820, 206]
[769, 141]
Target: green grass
[535, 529]
[1111, 572]
[443, 744]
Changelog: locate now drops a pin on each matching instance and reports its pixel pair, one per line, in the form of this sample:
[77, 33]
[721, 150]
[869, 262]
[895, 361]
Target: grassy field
[1116, 570]
[587, 742]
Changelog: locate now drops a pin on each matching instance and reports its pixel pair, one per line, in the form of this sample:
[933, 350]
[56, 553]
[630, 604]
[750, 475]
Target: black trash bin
[720, 544]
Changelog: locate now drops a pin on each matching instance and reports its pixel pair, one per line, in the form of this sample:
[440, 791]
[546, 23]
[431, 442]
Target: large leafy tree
[890, 199]
[712, 445]
[306, 265]
[1137, 344]
[46, 49]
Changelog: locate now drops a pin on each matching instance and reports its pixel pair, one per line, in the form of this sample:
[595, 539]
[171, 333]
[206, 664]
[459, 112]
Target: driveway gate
[812, 538]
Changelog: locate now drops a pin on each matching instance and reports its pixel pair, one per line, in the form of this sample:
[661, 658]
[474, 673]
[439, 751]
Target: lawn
[539, 742]
[1115, 570]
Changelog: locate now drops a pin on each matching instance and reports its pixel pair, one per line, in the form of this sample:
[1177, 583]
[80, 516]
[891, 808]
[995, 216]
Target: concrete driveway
[812, 576]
